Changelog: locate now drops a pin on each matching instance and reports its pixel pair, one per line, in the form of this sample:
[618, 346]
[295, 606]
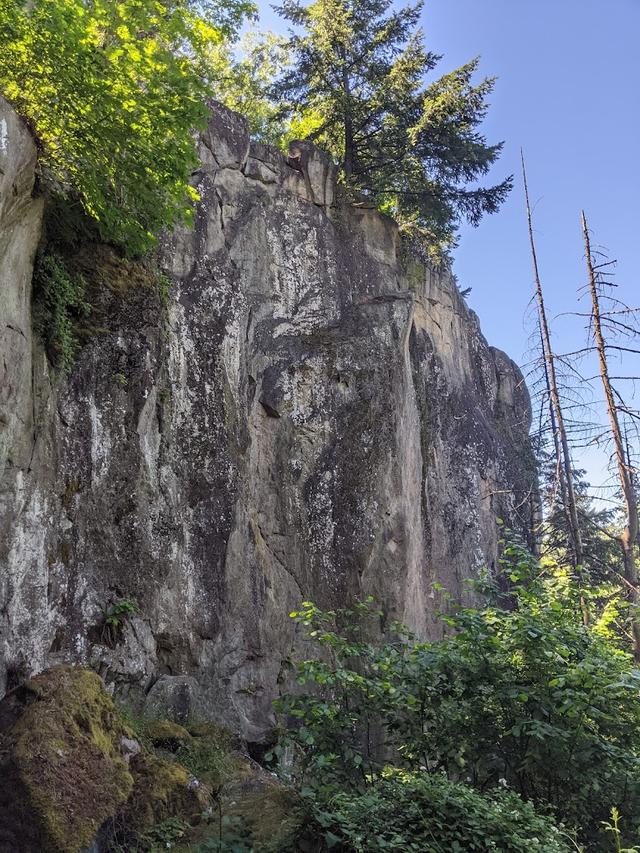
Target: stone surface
[73, 779]
[20, 221]
[314, 415]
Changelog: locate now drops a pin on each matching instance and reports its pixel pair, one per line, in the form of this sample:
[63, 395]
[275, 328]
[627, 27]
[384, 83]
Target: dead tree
[621, 446]
[558, 427]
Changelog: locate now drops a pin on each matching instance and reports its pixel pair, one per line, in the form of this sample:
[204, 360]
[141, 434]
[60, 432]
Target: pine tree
[358, 68]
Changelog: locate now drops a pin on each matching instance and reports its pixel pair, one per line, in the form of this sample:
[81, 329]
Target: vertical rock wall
[313, 414]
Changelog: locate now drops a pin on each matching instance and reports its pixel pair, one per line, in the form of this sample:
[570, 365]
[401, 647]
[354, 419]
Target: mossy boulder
[71, 769]
[163, 789]
[166, 734]
[64, 767]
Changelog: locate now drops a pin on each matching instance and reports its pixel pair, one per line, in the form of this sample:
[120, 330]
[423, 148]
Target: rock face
[313, 415]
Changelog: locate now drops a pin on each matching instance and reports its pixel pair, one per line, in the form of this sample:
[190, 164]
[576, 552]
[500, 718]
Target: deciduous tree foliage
[114, 91]
[358, 72]
[241, 75]
[521, 694]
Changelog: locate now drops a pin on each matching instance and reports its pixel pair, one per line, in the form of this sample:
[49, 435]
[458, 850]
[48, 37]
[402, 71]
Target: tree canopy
[358, 69]
[114, 91]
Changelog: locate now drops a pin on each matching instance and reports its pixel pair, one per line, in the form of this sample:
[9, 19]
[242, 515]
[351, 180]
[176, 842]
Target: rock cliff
[312, 414]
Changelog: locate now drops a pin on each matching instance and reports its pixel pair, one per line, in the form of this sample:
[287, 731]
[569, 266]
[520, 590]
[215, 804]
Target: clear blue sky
[568, 92]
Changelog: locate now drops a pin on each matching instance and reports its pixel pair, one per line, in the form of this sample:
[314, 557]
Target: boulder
[163, 790]
[64, 770]
[73, 777]
[174, 697]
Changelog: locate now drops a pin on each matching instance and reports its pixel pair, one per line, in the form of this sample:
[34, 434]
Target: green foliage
[114, 91]
[613, 826]
[164, 287]
[114, 617]
[241, 77]
[121, 610]
[602, 558]
[165, 835]
[520, 693]
[426, 813]
[207, 757]
[233, 836]
[355, 85]
[59, 302]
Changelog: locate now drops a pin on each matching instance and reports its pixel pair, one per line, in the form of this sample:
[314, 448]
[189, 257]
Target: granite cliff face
[312, 415]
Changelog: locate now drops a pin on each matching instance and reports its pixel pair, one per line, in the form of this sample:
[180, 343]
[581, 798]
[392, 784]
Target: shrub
[59, 304]
[114, 91]
[426, 813]
[520, 691]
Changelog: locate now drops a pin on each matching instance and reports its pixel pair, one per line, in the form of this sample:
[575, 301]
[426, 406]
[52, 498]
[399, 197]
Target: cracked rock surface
[313, 415]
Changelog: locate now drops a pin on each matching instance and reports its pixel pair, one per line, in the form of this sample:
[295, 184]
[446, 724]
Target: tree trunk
[561, 443]
[629, 535]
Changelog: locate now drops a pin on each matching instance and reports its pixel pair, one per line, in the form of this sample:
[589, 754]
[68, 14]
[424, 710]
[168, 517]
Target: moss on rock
[211, 754]
[63, 772]
[166, 734]
[70, 767]
[163, 789]
[273, 814]
[253, 804]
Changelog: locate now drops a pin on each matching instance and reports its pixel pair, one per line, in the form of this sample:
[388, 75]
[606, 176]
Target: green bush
[426, 813]
[520, 693]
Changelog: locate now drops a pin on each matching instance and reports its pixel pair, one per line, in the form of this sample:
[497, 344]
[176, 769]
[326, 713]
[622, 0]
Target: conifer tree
[358, 69]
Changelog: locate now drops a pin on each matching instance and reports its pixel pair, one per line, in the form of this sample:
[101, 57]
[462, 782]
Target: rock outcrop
[73, 777]
[64, 766]
[313, 415]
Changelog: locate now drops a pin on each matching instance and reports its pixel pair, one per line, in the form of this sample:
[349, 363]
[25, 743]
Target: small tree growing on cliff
[358, 70]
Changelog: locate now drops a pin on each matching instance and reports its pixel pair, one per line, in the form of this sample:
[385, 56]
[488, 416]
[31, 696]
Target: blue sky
[568, 92]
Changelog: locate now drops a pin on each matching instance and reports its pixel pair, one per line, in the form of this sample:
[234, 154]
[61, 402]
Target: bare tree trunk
[629, 535]
[561, 443]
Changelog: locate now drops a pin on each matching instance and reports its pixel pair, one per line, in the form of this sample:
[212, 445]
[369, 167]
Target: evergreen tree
[601, 561]
[358, 68]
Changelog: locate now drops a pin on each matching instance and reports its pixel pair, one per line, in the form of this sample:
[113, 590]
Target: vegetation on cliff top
[356, 86]
[115, 90]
